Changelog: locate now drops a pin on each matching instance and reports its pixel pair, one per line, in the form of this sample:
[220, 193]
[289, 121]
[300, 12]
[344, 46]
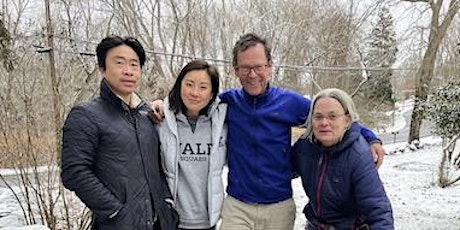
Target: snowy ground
[409, 179]
[11, 215]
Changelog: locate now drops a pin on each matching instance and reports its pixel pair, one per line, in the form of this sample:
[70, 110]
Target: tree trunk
[424, 76]
[54, 82]
[425, 73]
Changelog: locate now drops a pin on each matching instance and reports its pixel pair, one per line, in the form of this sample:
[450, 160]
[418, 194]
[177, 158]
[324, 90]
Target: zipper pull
[320, 160]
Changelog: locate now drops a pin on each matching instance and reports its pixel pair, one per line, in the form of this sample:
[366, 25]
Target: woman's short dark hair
[113, 41]
[176, 104]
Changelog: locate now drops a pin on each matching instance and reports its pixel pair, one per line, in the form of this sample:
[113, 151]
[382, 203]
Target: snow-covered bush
[444, 111]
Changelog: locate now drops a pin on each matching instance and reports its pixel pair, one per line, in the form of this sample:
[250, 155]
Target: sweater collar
[260, 97]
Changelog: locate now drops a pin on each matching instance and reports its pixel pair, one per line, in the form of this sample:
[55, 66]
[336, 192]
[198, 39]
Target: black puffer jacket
[110, 158]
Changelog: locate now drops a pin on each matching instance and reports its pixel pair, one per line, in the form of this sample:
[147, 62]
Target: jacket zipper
[253, 135]
[322, 162]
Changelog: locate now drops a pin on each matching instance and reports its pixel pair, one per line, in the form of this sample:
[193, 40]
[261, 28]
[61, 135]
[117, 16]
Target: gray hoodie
[193, 163]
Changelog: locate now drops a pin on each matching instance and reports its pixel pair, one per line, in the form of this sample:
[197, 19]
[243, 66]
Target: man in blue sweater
[259, 119]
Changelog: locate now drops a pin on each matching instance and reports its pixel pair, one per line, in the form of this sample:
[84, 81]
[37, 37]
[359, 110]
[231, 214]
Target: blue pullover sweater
[259, 142]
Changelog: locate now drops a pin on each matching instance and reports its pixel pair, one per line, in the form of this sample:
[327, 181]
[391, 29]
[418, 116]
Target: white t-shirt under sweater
[192, 195]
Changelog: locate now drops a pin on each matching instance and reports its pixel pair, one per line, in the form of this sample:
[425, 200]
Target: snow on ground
[10, 213]
[399, 122]
[410, 182]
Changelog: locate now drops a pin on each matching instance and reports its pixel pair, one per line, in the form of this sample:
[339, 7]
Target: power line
[339, 68]
[41, 49]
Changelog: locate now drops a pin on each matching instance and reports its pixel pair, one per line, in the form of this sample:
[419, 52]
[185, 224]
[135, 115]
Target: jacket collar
[107, 93]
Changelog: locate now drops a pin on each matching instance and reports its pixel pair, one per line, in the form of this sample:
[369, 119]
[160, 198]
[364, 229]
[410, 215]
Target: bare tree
[438, 27]
[34, 100]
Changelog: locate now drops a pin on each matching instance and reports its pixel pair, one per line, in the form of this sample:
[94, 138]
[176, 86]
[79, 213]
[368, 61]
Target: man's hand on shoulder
[378, 152]
[156, 114]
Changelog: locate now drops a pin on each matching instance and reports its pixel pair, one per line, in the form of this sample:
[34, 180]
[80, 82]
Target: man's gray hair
[342, 97]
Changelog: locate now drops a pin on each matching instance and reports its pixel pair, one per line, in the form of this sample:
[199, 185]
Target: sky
[409, 179]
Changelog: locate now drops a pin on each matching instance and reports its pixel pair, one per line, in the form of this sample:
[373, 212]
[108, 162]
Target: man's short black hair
[113, 41]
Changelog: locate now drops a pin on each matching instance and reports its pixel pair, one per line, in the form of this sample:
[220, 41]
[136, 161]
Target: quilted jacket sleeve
[79, 150]
[369, 192]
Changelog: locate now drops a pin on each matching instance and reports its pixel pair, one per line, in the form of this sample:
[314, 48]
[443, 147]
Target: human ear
[102, 72]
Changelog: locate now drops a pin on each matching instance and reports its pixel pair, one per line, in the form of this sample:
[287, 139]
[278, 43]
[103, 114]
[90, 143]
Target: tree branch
[451, 142]
[364, 73]
[453, 9]
[427, 1]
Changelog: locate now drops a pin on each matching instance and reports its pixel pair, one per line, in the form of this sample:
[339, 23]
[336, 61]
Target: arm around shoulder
[378, 152]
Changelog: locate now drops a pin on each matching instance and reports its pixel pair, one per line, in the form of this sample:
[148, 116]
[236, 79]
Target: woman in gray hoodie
[193, 145]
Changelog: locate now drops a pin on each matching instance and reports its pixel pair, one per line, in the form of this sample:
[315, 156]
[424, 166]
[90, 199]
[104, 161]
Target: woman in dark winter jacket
[337, 171]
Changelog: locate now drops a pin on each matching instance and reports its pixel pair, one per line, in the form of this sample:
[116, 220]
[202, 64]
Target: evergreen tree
[381, 54]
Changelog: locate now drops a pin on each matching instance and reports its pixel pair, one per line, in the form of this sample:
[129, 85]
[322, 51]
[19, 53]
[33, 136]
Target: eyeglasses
[331, 117]
[246, 70]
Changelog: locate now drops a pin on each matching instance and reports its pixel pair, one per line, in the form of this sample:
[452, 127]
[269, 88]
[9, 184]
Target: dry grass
[21, 148]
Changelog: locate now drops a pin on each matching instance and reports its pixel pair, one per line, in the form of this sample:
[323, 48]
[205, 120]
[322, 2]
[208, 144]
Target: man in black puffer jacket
[110, 152]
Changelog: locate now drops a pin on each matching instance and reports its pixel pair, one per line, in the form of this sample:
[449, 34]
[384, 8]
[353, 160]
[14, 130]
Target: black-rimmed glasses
[246, 70]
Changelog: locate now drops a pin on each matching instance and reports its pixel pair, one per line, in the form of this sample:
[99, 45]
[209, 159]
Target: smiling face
[329, 121]
[196, 91]
[254, 82]
[122, 71]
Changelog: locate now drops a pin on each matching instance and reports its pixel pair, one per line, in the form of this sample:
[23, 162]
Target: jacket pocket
[122, 220]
